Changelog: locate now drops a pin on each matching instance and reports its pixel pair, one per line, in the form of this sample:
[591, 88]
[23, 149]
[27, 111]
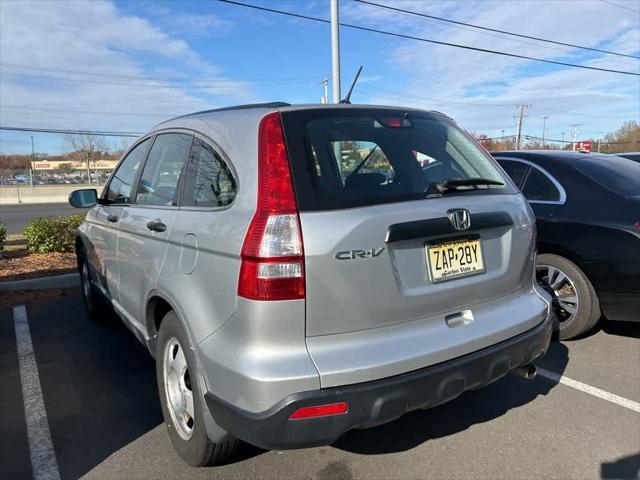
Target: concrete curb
[68, 280]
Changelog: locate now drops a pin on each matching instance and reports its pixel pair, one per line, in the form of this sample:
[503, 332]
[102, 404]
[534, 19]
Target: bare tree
[123, 145]
[87, 147]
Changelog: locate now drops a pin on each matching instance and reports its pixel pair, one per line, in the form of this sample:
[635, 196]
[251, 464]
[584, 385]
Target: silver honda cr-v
[299, 271]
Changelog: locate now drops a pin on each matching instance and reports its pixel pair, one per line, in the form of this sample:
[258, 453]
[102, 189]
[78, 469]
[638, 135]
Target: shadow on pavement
[622, 329]
[625, 467]
[98, 384]
[470, 408]
[100, 393]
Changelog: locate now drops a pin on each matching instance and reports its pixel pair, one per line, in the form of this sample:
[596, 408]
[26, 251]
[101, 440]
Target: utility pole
[544, 123]
[574, 134]
[325, 98]
[33, 159]
[562, 140]
[522, 107]
[335, 51]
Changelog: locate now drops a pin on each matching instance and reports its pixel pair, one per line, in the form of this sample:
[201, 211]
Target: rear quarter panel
[201, 269]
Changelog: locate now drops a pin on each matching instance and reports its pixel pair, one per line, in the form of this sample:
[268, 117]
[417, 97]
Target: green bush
[3, 235]
[55, 234]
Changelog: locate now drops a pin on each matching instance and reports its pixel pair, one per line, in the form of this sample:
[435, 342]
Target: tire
[565, 281]
[96, 307]
[185, 420]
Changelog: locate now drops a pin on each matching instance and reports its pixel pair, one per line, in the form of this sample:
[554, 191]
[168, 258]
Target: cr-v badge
[352, 254]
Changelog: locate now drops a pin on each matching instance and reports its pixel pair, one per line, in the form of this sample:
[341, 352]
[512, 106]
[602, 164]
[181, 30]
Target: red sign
[584, 145]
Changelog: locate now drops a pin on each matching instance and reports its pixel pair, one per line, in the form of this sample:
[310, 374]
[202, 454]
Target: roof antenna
[347, 99]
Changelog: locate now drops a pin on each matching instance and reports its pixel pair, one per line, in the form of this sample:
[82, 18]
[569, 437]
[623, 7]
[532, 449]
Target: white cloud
[446, 78]
[201, 25]
[92, 41]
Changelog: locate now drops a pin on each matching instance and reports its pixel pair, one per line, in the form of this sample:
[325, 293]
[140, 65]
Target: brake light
[272, 265]
[320, 411]
[395, 122]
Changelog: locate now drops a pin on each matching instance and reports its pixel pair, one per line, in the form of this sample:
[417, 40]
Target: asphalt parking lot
[99, 392]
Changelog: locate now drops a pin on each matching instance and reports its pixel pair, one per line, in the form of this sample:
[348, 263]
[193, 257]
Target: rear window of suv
[344, 158]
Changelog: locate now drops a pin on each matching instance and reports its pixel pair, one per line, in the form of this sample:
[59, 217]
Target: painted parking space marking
[596, 392]
[43, 458]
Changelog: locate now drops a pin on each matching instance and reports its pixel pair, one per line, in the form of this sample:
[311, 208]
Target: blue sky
[127, 65]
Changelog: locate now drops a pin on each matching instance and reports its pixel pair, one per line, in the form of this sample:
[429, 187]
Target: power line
[144, 77]
[534, 137]
[426, 40]
[620, 6]
[73, 132]
[94, 112]
[433, 17]
[395, 94]
[212, 85]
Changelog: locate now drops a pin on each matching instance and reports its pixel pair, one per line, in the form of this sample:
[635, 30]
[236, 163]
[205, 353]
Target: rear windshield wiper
[452, 184]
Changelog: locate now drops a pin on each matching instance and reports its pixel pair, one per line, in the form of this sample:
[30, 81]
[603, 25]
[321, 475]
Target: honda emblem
[460, 219]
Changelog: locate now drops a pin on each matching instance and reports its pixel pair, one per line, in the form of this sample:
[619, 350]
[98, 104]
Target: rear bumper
[380, 401]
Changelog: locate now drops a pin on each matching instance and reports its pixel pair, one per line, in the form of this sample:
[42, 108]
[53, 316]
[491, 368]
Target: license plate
[455, 259]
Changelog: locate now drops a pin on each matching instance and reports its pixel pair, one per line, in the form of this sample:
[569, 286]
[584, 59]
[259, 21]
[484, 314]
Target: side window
[159, 182]
[208, 181]
[516, 170]
[540, 187]
[119, 189]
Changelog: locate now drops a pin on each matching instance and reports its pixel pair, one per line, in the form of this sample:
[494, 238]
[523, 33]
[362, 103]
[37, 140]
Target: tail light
[637, 224]
[272, 265]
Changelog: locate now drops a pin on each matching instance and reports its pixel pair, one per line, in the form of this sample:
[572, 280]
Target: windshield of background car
[344, 158]
[618, 175]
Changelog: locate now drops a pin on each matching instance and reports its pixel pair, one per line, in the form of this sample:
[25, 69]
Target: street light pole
[544, 123]
[325, 98]
[574, 134]
[33, 159]
[335, 51]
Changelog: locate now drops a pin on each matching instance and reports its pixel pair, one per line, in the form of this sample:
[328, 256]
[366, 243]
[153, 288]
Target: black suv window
[516, 170]
[208, 181]
[538, 186]
[119, 189]
[159, 182]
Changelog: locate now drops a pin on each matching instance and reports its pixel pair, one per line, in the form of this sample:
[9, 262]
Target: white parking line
[596, 392]
[43, 458]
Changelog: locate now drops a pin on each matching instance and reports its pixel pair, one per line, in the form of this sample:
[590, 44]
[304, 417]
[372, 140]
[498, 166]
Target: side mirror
[84, 198]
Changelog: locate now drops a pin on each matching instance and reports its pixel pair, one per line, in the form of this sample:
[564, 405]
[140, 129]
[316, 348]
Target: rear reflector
[320, 411]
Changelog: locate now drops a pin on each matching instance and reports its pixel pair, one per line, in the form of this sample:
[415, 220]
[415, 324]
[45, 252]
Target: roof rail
[236, 107]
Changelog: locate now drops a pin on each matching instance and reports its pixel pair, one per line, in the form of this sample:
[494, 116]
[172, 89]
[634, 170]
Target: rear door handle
[156, 225]
[112, 218]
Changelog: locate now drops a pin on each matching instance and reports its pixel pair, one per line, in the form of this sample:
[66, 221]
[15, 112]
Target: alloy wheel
[177, 384]
[85, 281]
[561, 288]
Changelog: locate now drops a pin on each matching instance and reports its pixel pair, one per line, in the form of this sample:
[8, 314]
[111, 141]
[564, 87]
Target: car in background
[635, 156]
[587, 208]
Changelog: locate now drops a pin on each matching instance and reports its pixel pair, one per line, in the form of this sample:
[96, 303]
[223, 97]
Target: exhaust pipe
[526, 371]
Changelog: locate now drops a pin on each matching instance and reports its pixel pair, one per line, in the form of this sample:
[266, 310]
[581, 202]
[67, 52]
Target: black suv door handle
[112, 218]
[156, 226]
